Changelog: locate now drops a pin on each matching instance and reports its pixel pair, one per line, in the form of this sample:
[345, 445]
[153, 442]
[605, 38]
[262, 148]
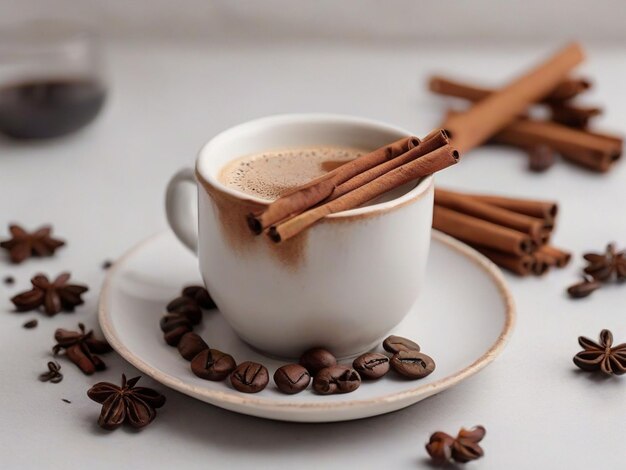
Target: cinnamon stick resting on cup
[353, 184]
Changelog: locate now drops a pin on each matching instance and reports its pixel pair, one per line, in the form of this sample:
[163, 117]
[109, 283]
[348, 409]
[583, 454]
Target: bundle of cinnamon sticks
[502, 116]
[354, 184]
[513, 233]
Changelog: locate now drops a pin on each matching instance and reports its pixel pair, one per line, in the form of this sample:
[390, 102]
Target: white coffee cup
[343, 284]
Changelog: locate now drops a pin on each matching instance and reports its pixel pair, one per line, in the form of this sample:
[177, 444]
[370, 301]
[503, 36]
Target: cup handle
[181, 211]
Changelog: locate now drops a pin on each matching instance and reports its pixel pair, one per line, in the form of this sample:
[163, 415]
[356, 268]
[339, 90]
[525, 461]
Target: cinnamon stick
[562, 112]
[540, 265]
[577, 117]
[429, 144]
[428, 164]
[532, 226]
[593, 150]
[318, 190]
[545, 210]
[521, 265]
[490, 115]
[479, 232]
[561, 258]
[566, 89]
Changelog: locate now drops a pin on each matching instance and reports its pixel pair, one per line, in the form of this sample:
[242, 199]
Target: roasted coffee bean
[371, 365]
[292, 378]
[200, 295]
[394, 344]
[336, 379]
[250, 377]
[174, 326]
[212, 364]
[317, 359]
[412, 364]
[186, 306]
[190, 345]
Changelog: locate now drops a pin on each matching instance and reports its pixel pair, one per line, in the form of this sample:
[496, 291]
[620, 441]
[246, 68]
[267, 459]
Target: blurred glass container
[51, 80]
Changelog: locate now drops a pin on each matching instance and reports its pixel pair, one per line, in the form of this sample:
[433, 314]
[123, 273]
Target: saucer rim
[237, 399]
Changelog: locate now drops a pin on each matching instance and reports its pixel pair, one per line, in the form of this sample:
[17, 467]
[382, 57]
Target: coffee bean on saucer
[371, 365]
[174, 326]
[200, 295]
[317, 359]
[190, 345]
[336, 379]
[292, 378]
[250, 377]
[394, 344]
[212, 364]
[412, 364]
[186, 306]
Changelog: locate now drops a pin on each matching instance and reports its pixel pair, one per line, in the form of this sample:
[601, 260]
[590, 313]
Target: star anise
[603, 356]
[442, 447]
[605, 266]
[81, 348]
[23, 245]
[134, 405]
[53, 296]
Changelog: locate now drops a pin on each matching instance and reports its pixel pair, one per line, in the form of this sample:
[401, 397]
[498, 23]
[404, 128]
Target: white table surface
[103, 189]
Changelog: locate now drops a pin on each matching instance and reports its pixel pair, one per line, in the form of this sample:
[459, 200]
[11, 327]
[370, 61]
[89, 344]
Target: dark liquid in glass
[49, 108]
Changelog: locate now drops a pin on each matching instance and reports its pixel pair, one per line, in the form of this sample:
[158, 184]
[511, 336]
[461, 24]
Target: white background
[103, 191]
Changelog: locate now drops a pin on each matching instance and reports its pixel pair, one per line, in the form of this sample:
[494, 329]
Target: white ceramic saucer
[463, 320]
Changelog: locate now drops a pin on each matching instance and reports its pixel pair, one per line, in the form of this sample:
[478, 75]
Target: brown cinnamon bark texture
[429, 144]
[479, 232]
[577, 117]
[428, 164]
[561, 258]
[318, 190]
[569, 87]
[546, 210]
[521, 265]
[595, 151]
[488, 116]
[459, 202]
[565, 135]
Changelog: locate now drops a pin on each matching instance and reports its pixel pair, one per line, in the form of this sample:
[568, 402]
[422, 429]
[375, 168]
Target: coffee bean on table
[200, 295]
[186, 306]
[174, 326]
[371, 365]
[190, 345]
[292, 378]
[249, 377]
[336, 379]
[317, 359]
[394, 344]
[212, 364]
[412, 364]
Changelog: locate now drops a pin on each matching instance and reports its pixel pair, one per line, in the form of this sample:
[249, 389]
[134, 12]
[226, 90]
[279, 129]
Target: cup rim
[420, 188]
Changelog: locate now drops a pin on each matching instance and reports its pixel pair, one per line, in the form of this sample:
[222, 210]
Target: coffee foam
[269, 174]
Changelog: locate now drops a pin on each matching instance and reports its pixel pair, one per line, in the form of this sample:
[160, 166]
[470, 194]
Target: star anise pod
[605, 266]
[602, 356]
[81, 348]
[53, 296]
[126, 403]
[443, 448]
[23, 245]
